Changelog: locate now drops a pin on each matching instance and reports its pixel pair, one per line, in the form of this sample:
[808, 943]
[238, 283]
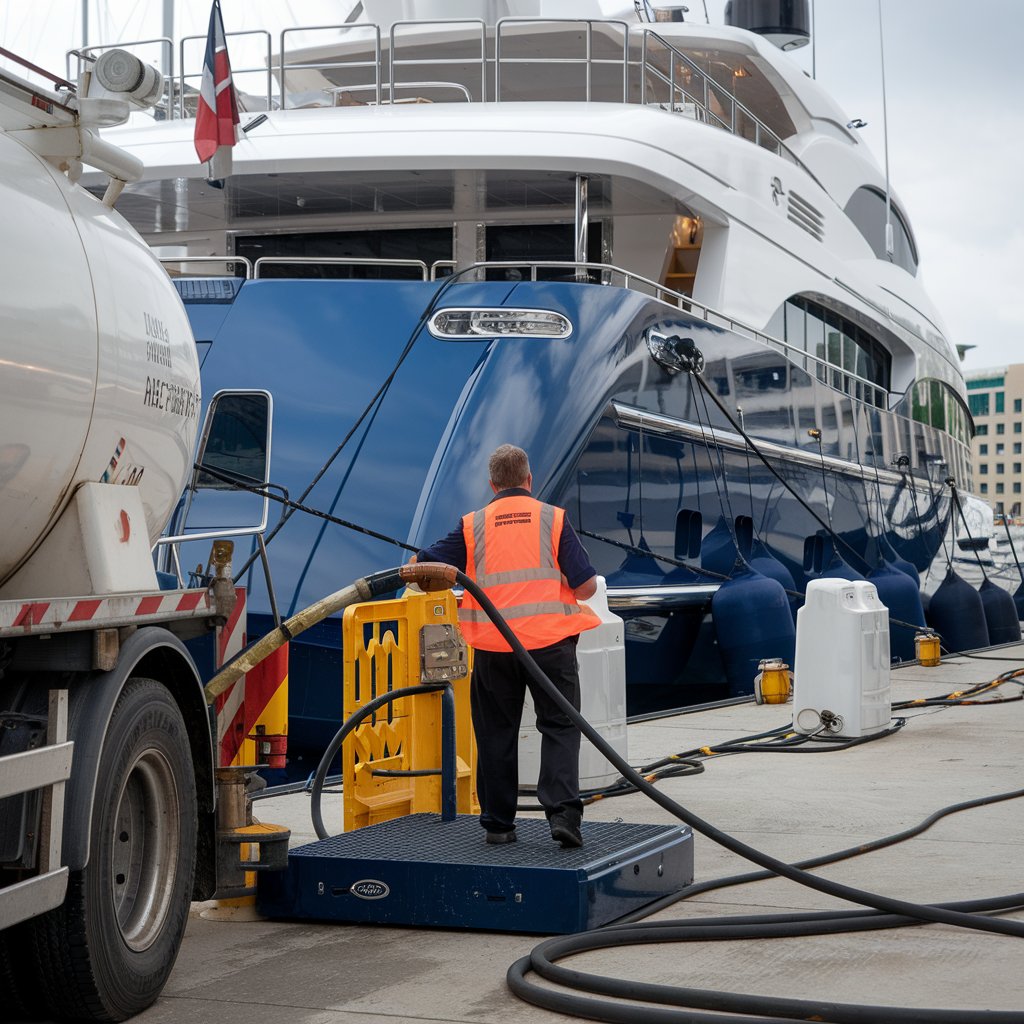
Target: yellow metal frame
[381, 644]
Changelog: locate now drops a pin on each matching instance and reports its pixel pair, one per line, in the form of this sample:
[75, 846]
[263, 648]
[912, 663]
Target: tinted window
[866, 209]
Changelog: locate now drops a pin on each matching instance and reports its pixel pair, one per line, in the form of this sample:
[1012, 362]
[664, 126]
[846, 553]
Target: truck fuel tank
[100, 380]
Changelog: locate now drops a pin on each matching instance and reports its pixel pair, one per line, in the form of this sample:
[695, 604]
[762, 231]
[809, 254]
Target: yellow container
[928, 649]
[773, 683]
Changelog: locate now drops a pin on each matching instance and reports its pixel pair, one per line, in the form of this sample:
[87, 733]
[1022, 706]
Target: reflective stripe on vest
[512, 552]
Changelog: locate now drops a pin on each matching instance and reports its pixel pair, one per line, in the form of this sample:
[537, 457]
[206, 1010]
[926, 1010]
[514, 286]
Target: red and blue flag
[217, 113]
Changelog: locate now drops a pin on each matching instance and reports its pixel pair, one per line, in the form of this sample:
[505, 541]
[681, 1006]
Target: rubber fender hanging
[1018, 600]
[763, 561]
[718, 549]
[957, 614]
[902, 565]
[752, 621]
[1000, 614]
[638, 567]
[898, 592]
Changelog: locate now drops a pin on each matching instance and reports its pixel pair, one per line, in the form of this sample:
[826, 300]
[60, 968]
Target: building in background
[996, 399]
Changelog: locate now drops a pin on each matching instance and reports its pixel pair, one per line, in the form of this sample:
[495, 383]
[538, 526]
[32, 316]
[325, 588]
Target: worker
[527, 558]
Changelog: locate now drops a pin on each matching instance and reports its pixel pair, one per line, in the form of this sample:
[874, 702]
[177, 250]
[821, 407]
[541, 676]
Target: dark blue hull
[643, 459]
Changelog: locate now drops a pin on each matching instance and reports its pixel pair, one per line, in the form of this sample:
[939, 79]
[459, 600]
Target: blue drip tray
[420, 870]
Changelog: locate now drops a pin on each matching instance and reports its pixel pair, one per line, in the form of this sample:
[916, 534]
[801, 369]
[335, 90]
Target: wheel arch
[154, 653]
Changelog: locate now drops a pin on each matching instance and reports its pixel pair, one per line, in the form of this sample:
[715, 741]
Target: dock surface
[793, 806]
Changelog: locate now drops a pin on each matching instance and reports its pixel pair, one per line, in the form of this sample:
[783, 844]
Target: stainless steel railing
[845, 381]
[660, 75]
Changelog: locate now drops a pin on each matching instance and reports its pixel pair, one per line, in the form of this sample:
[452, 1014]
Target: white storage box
[602, 660]
[842, 659]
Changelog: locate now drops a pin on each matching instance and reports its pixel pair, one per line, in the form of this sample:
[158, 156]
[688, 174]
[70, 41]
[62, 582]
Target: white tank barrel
[99, 379]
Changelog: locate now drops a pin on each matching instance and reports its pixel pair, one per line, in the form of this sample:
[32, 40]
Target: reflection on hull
[654, 476]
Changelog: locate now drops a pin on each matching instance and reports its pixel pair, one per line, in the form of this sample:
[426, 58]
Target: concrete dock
[793, 806]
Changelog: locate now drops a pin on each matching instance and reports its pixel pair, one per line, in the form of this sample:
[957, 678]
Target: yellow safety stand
[391, 763]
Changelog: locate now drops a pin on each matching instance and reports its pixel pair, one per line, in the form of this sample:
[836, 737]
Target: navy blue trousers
[498, 688]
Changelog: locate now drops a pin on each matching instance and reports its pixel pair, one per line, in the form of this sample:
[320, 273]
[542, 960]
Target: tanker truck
[107, 780]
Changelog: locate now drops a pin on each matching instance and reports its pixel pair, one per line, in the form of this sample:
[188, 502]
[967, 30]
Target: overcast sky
[956, 123]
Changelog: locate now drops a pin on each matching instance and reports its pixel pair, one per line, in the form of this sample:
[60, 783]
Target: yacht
[650, 250]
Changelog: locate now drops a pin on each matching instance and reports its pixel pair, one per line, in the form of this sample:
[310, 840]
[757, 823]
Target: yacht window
[866, 208]
[841, 344]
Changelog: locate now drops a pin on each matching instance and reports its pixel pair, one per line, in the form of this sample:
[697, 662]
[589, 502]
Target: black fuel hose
[317, 788]
[883, 912]
[845, 892]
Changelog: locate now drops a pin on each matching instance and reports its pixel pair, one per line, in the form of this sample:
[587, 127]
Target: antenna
[890, 247]
[814, 41]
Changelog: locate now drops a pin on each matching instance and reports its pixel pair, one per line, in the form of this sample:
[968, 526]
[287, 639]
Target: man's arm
[574, 562]
[451, 550]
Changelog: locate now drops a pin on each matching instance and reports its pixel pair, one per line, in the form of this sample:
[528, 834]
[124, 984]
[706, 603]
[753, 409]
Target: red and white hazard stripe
[21, 618]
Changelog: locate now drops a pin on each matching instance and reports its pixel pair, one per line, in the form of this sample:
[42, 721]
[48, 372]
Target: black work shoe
[497, 838]
[565, 831]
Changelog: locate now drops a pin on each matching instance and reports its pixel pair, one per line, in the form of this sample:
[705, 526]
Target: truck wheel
[17, 978]
[108, 951]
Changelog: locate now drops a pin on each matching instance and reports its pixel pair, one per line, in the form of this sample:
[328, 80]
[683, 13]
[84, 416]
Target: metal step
[421, 870]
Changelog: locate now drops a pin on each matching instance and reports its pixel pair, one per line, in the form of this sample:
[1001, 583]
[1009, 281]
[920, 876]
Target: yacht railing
[836, 377]
[421, 62]
[267, 68]
[284, 67]
[169, 262]
[337, 261]
[845, 381]
[661, 75]
[588, 60]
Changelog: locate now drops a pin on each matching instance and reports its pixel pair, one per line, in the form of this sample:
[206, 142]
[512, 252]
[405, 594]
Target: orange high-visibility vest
[512, 553]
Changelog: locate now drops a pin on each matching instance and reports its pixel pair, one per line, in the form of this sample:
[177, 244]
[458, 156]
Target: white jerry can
[602, 659]
[841, 670]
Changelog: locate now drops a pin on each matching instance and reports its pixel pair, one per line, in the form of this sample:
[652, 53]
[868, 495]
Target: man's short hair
[509, 466]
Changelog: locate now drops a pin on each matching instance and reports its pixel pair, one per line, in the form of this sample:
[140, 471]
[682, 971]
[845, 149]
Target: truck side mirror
[235, 442]
[233, 457]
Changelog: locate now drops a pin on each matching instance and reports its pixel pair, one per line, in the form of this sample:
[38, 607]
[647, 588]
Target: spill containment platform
[422, 870]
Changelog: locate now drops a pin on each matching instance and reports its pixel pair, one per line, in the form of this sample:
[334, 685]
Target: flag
[217, 112]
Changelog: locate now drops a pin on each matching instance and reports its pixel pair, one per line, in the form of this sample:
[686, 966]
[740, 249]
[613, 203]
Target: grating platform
[420, 870]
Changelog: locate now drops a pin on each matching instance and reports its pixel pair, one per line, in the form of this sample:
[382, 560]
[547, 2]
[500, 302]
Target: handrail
[823, 368]
[430, 61]
[679, 79]
[268, 68]
[703, 103]
[875, 393]
[242, 260]
[284, 68]
[589, 59]
[343, 261]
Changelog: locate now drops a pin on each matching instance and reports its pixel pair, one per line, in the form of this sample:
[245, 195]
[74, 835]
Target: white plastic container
[602, 659]
[842, 659]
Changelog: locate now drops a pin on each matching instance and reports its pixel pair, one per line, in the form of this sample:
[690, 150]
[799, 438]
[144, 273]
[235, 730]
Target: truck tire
[17, 979]
[107, 952]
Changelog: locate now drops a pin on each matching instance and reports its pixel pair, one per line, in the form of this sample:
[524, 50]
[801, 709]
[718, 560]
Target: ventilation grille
[806, 216]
